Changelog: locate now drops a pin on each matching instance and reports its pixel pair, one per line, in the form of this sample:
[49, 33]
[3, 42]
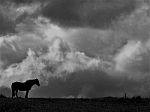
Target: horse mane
[30, 80]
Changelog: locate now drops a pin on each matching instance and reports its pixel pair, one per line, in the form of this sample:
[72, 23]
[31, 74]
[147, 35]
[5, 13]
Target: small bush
[136, 97]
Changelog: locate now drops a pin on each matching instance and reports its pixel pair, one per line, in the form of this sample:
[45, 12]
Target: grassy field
[108, 104]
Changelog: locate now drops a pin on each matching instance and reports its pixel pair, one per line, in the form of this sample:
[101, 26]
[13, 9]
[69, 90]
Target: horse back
[19, 86]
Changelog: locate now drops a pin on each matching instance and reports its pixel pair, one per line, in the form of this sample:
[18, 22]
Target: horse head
[37, 82]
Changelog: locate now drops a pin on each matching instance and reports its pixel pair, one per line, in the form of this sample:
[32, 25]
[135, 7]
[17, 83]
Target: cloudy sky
[76, 48]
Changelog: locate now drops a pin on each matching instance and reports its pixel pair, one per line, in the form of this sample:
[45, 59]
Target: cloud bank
[86, 13]
[85, 49]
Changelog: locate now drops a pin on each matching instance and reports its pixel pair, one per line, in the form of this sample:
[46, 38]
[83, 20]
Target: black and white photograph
[74, 55]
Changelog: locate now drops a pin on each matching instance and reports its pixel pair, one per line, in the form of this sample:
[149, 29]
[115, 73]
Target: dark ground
[108, 104]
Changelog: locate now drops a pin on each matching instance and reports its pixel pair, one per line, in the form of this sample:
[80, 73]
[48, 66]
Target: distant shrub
[2, 96]
[137, 97]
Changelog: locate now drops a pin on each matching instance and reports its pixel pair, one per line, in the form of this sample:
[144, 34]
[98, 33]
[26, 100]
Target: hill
[107, 104]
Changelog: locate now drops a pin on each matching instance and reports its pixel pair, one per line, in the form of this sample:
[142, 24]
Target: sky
[76, 48]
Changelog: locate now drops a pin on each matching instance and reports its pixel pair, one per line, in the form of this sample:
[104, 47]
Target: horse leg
[26, 96]
[13, 91]
[17, 93]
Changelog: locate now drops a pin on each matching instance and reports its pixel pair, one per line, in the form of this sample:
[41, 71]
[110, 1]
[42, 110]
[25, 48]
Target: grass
[107, 104]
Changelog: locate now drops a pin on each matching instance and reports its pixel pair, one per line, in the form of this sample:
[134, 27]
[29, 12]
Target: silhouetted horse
[23, 86]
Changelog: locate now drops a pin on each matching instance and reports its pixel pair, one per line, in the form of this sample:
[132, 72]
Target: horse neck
[31, 82]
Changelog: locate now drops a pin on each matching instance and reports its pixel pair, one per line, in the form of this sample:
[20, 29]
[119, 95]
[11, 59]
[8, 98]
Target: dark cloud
[13, 12]
[6, 25]
[27, 1]
[18, 1]
[89, 83]
[50, 58]
[23, 1]
[95, 13]
[10, 56]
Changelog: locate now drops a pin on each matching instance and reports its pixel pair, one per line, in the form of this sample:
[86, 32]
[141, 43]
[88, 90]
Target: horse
[23, 86]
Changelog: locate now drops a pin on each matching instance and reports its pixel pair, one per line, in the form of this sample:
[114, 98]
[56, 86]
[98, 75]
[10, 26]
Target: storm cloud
[86, 13]
[76, 48]
[7, 25]
[90, 83]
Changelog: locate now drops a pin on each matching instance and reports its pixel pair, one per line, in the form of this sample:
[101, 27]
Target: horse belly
[21, 89]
